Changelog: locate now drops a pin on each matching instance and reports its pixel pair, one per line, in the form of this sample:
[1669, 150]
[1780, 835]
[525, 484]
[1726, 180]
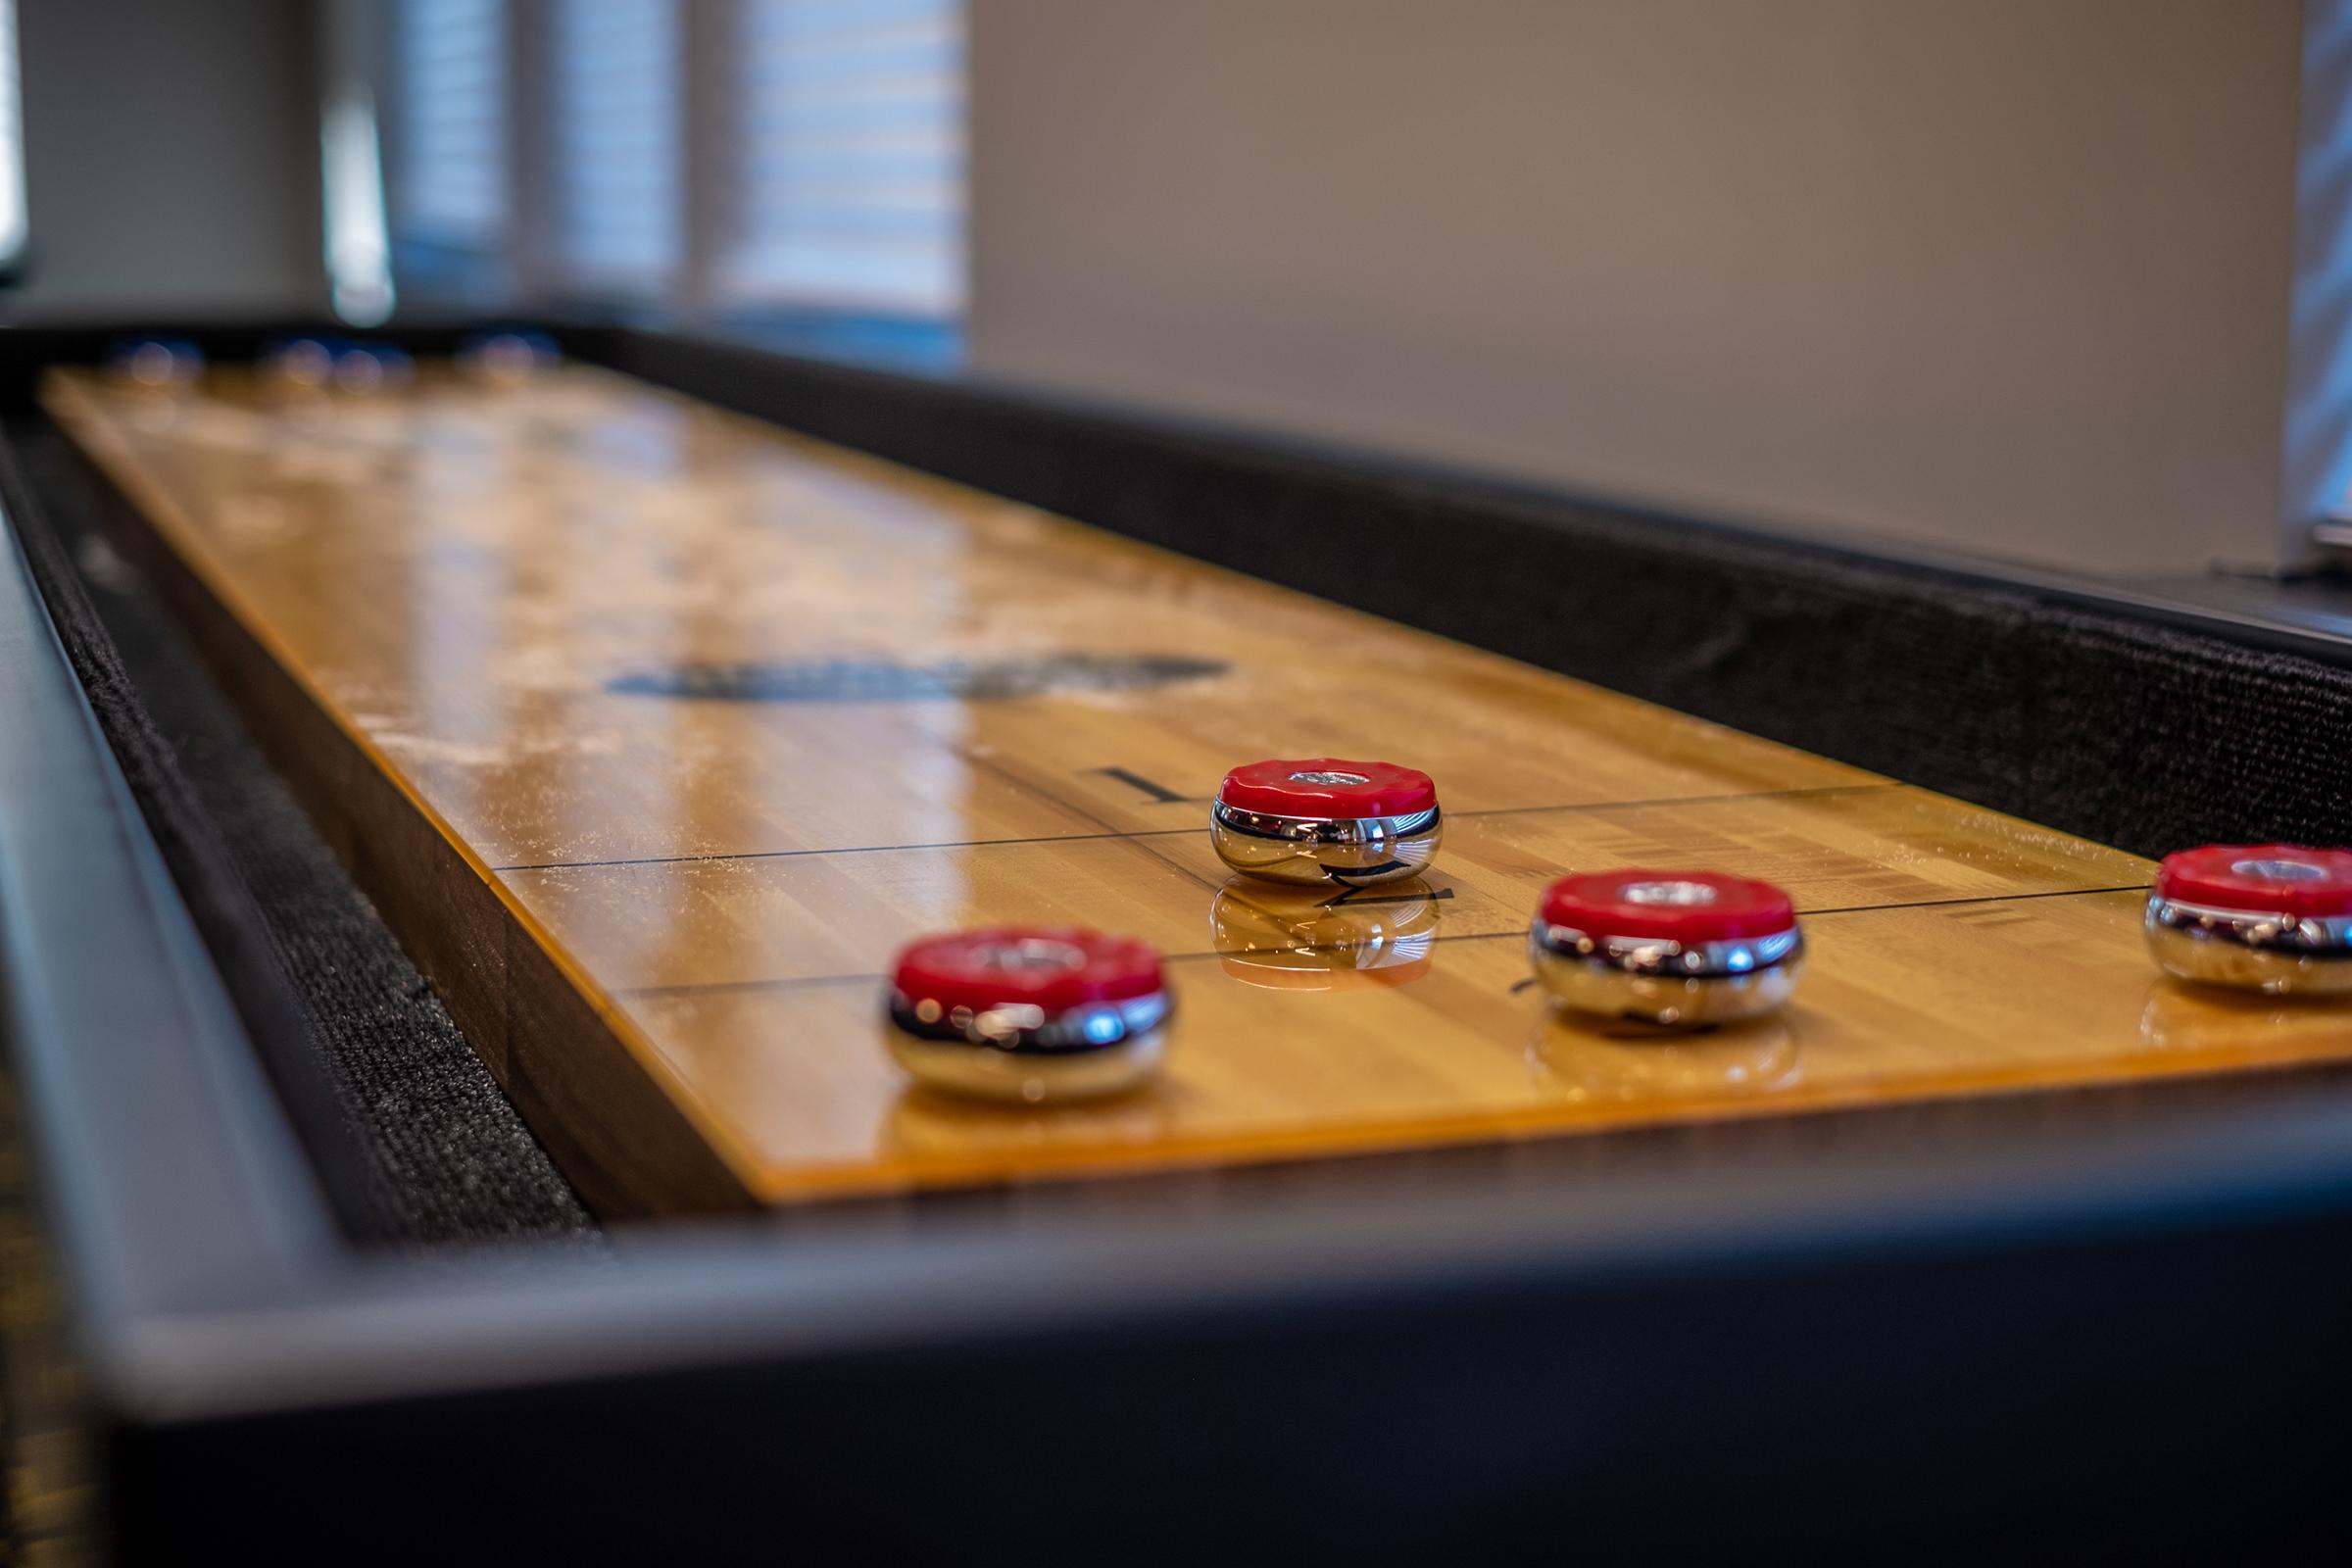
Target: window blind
[845, 177]
[783, 162]
[451, 59]
[619, 174]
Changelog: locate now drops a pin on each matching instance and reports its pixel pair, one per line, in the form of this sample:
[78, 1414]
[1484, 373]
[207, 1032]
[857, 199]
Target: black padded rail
[411, 1135]
[2103, 720]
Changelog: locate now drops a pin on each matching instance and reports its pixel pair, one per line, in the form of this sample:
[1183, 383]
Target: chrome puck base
[1351, 852]
[1675, 984]
[984, 1072]
[2277, 954]
[1015, 1055]
[1305, 942]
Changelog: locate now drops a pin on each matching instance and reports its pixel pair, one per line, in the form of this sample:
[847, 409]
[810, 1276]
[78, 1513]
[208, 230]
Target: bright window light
[12, 141]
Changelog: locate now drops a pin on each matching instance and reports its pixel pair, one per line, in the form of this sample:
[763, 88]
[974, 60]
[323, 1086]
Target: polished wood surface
[656, 730]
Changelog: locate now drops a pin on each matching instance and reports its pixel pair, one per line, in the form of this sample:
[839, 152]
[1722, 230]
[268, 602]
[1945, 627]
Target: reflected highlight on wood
[656, 730]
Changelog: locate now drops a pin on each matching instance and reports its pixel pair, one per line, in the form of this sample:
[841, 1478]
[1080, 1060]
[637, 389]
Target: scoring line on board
[1645, 804]
[795, 982]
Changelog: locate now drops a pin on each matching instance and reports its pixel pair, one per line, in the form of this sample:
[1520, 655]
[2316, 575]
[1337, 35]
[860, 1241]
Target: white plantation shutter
[453, 127]
[779, 165]
[619, 141]
[845, 184]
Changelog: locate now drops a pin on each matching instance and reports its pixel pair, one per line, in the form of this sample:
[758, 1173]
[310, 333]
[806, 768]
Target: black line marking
[1518, 933]
[1655, 1032]
[1379, 874]
[1809, 792]
[1515, 933]
[1161, 793]
[1349, 900]
[847, 849]
[975, 760]
[1987, 898]
[710, 987]
[1520, 985]
[1168, 832]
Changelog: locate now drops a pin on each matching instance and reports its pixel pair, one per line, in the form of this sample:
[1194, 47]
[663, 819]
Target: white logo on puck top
[1675, 895]
[2279, 870]
[1032, 952]
[1329, 779]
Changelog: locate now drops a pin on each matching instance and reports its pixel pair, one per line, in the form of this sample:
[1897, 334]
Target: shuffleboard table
[659, 731]
[454, 832]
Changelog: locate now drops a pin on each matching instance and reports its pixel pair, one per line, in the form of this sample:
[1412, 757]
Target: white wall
[172, 158]
[2008, 276]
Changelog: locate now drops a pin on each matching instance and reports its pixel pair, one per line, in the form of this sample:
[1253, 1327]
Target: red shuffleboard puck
[1028, 1013]
[1326, 819]
[2271, 917]
[1682, 948]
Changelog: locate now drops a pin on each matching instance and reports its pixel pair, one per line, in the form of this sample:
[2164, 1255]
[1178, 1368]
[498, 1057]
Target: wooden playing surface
[656, 730]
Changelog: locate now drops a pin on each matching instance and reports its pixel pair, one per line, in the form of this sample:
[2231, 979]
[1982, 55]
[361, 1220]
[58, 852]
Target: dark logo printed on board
[864, 680]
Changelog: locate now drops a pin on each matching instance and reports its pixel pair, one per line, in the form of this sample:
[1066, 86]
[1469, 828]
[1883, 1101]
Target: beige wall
[2008, 276]
[172, 158]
